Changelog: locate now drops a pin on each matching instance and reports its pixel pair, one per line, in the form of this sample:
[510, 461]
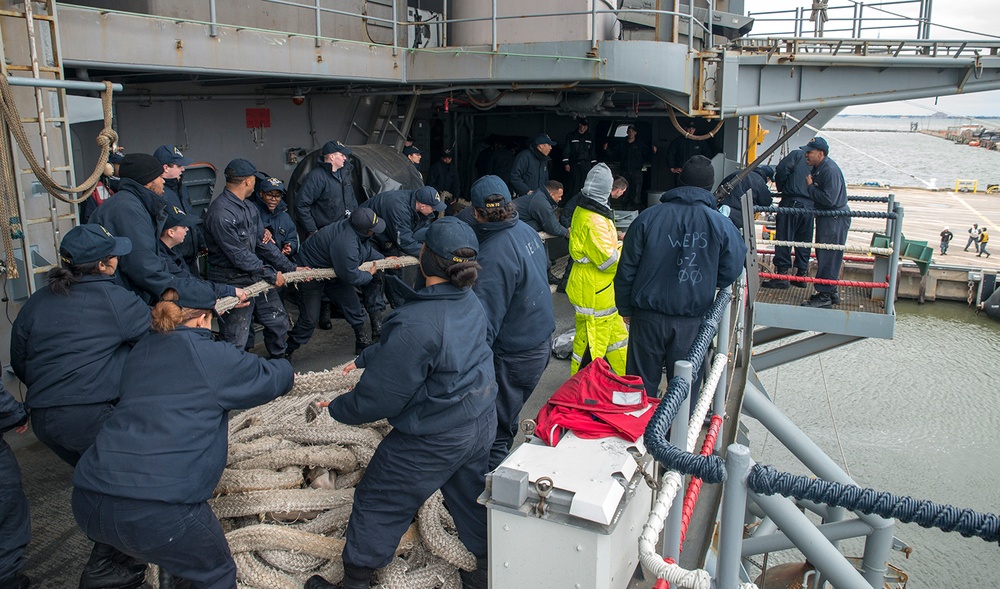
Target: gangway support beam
[800, 349]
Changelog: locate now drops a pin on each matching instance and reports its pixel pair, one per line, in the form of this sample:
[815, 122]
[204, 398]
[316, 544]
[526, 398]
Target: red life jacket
[596, 403]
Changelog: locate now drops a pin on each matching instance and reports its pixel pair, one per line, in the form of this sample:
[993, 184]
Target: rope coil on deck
[825, 213]
[286, 495]
[766, 480]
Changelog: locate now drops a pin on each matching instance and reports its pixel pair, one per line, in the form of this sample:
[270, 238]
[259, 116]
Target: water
[917, 416]
[882, 149]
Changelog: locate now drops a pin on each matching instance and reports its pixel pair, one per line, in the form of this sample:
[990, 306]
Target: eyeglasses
[272, 195]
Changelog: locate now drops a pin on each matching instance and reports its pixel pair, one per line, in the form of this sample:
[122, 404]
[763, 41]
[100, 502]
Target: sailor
[444, 177]
[15, 524]
[278, 224]
[327, 194]
[176, 195]
[686, 147]
[175, 231]
[239, 255]
[143, 486]
[790, 179]
[594, 247]
[538, 209]
[73, 382]
[404, 212]
[413, 153]
[675, 256]
[138, 213]
[828, 191]
[756, 184]
[518, 303]
[632, 155]
[578, 154]
[432, 377]
[343, 246]
[531, 166]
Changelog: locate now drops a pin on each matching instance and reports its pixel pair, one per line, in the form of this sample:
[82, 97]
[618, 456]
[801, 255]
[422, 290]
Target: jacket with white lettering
[676, 254]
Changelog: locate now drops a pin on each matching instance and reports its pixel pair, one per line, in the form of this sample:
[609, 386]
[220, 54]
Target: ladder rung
[47, 119]
[41, 269]
[16, 14]
[30, 172]
[42, 68]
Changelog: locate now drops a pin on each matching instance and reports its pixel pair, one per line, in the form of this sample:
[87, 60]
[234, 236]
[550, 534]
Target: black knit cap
[141, 167]
[698, 171]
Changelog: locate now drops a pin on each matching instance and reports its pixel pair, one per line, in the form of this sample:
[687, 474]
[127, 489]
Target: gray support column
[213, 29]
[678, 437]
[797, 526]
[722, 349]
[734, 500]
[777, 541]
[897, 240]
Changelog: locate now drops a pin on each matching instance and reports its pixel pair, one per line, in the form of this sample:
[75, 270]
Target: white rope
[855, 249]
[760, 223]
[670, 484]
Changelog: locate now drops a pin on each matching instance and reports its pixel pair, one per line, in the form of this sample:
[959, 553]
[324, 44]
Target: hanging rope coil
[766, 480]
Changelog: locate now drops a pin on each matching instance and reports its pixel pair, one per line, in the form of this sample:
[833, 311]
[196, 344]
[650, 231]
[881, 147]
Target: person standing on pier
[946, 237]
[973, 238]
[984, 238]
[828, 191]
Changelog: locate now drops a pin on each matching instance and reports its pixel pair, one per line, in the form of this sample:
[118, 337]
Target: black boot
[354, 578]
[168, 581]
[102, 572]
[375, 317]
[324, 316]
[361, 339]
[18, 581]
[479, 578]
[797, 284]
[778, 283]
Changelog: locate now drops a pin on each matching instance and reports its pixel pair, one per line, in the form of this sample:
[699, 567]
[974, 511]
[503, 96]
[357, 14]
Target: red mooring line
[769, 275]
[693, 490]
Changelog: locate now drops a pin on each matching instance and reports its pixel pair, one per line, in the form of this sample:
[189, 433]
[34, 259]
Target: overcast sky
[967, 15]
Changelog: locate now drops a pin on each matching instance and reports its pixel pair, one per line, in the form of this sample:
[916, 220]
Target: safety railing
[852, 19]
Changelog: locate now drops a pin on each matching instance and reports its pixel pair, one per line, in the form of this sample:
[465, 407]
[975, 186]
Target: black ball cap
[90, 243]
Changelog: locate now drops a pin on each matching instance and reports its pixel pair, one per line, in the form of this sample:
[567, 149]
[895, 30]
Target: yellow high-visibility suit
[594, 247]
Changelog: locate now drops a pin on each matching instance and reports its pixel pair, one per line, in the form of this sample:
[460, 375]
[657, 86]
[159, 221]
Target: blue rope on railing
[710, 469]
[867, 198]
[824, 213]
[765, 480]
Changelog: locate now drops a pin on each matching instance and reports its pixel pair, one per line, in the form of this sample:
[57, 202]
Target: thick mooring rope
[286, 495]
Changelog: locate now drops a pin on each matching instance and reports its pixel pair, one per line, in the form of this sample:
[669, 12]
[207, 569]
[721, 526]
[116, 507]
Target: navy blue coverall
[176, 194]
[531, 170]
[280, 223]
[580, 155]
[325, 196]
[336, 246]
[829, 193]
[143, 486]
[514, 290]
[238, 256]
[398, 209]
[538, 211]
[756, 183]
[139, 214]
[674, 257]
[431, 376]
[69, 351]
[790, 178]
[177, 267]
[15, 523]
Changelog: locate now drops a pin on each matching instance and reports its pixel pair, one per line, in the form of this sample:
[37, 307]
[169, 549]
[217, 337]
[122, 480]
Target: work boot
[18, 581]
[324, 317]
[102, 572]
[361, 339]
[375, 317]
[820, 300]
[776, 282]
[797, 284]
[168, 581]
[479, 578]
[835, 297]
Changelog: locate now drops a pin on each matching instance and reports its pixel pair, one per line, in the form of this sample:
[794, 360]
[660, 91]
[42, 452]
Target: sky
[967, 15]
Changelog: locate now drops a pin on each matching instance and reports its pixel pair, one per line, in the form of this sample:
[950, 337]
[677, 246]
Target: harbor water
[917, 415]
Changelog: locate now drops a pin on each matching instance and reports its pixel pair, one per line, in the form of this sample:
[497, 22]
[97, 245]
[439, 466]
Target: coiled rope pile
[287, 491]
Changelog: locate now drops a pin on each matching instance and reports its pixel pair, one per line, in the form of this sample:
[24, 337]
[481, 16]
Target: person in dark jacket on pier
[15, 523]
[760, 195]
[432, 377]
[327, 194]
[143, 487]
[790, 179]
[343, 246]
[531, 166]
[137, 211]
[239, 255]
[73, 382]
[514, 291]
[675, 256]
[828, 191]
